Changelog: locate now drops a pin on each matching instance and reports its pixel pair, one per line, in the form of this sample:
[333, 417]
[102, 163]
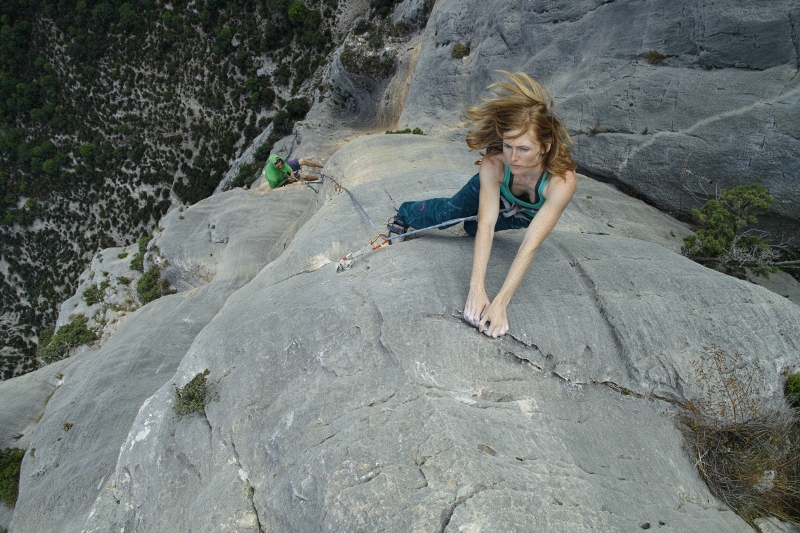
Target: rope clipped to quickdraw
[348, 260]
[339, 187]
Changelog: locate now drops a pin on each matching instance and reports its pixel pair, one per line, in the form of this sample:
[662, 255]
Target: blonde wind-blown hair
[521, 104]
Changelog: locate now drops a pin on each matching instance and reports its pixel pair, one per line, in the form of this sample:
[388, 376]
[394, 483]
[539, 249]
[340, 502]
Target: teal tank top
[530, 209]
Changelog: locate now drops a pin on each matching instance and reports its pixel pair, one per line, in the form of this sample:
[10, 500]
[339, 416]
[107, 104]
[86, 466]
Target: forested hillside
[113, 111]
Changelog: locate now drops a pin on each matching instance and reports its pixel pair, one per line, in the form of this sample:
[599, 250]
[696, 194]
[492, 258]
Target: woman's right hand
[477, 302]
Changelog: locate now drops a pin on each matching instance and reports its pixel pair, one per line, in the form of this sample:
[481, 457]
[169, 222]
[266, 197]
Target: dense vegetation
[10, 462]
[112, 112]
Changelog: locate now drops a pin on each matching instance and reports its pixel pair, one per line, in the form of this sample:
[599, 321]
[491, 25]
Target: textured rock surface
[379, 409]
[725, 97]
[101, 391]
[360, 401]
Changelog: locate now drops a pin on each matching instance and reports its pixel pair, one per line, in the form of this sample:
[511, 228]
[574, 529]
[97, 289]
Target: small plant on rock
[460, 50]
[655, 57]
[195, 395]
[793, 389]
[722, 239]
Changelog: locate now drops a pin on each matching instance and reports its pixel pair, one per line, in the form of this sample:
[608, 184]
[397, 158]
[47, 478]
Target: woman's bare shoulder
[562, 184]
[493, 165]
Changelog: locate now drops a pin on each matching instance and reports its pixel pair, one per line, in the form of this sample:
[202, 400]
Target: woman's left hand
[495, 316]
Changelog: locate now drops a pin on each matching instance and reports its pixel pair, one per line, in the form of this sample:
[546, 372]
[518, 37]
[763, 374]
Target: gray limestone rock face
[360, 401]
[674, 99]
[73, 451]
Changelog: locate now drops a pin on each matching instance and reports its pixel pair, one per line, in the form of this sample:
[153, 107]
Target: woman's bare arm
[559, 193]
[491, 174]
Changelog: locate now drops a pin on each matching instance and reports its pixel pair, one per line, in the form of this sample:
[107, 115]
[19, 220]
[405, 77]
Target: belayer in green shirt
[279, 172]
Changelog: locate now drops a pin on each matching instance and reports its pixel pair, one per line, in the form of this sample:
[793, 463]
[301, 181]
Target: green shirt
[274, 175]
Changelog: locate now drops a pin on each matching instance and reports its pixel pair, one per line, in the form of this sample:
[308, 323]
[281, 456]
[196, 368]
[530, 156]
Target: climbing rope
[348, 260]
[338, 186]
[291, 148]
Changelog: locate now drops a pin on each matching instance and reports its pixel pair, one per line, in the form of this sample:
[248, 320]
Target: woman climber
[527, 172]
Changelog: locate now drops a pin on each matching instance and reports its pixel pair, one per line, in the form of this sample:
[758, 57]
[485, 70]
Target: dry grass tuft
[748, 456]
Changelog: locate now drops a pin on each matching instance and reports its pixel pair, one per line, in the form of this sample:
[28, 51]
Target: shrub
[654, 57]
[195, 395]
[363, 26]
[383, 7]
[137, 263]
[150, 287]
[10, 465]
[793, 389]
[87, 151]
[415, 131]
[67, 337]
[246, 176]
[460, 50]
[362, 63]
[749, 457]
[262, 152]
[298, 108]
[302, 17]
[92, 295]
[721, 238]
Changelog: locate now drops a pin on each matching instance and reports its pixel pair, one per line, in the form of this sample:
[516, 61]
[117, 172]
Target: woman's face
[524, 152]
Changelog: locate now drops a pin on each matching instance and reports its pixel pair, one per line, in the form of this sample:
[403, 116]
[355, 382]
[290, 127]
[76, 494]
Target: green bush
[721, 234]
[137, 263]
[68, 336]
[460, 50]
[793, 389]
[195, 395]
[415, 131]
[262, 152]
[383, 7]
[246, 176]
[298, 108]
[654, 57]
[92, 295]
[363, 26]
[10, 465]
[150, 287]
[302, 17]
[379, 65]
